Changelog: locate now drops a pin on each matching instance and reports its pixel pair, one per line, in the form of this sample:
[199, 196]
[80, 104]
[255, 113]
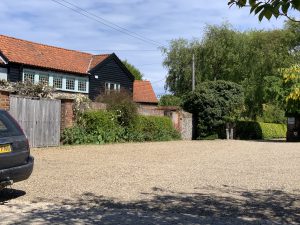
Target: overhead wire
[113, 26]
[105, 22]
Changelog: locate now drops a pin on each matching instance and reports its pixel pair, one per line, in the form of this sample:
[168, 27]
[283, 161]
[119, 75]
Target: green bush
[273, 130]
[213, 103]
[169, 100]
[251, 130]
[97, 127]
[154, 128]
[272, 114]
[122, 105]
[93, 120]
[100, 127]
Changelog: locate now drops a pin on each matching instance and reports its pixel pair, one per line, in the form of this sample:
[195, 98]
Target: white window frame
[117, 87]
[3, 73]
[84, 81]
[64, 77]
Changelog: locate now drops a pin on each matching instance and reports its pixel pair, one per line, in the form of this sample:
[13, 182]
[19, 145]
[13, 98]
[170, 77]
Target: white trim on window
[3, 73]
[111, 86]
[53, 75]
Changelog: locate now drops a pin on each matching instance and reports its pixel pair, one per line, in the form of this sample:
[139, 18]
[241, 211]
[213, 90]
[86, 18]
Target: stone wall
[182, 122]
[186, 126]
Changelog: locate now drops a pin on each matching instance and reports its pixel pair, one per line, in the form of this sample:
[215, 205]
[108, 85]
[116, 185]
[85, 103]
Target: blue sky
[47, 22]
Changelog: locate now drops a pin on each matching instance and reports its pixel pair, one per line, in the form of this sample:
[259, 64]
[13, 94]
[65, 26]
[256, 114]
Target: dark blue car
[16, 164]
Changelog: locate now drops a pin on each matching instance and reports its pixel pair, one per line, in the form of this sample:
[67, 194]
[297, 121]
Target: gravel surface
[183, 182]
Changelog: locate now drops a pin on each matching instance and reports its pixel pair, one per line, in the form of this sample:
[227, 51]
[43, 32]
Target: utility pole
[193, 75]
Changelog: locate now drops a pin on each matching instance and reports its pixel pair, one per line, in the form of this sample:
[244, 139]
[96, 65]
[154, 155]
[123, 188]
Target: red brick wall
[67, 113]
[4, 100]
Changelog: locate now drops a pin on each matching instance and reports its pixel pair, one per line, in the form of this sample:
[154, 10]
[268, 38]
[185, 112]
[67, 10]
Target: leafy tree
[178, 60]
[135, 71]
[268, 8]
[214, 103]
[247, 58]
[169, 100]
[292, 82]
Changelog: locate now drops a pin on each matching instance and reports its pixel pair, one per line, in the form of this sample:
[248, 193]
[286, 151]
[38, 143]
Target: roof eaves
[51, 69]
[2, 59]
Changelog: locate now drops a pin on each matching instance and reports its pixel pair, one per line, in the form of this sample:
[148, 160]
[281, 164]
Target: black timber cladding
[14, 72]
[110, 70]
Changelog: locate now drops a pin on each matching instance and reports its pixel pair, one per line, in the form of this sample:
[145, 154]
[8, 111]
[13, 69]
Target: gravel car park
[182, 182]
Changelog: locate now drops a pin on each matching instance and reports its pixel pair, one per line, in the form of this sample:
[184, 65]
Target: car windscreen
[8, 126]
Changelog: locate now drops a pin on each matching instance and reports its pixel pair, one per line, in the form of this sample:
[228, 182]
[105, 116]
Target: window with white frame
[3, 73]
[70, 84]
[59, 81]
[44, 79]
[81, 85]
[110, 87]
[29, 77]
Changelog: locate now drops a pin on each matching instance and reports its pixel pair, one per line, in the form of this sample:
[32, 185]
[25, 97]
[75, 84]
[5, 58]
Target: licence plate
[5, 149]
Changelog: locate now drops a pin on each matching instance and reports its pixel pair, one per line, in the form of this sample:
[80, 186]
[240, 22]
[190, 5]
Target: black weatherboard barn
[66, 70]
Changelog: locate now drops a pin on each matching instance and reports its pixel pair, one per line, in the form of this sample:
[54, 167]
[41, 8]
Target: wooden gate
[40, 119]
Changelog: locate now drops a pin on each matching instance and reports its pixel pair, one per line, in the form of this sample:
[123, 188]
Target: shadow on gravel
[9, 194]
[229, 206]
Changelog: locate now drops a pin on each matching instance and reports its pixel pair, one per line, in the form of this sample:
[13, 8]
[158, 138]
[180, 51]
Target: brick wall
[67, 113]
[149, 110]
[4, 100]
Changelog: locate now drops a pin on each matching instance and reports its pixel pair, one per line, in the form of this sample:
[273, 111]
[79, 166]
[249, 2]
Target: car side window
[8, 126]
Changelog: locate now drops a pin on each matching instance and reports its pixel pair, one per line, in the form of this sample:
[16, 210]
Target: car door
[14, 148]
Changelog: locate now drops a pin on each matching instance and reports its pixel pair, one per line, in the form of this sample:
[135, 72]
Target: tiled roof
[143, 92]
[49, 57]
[96, 59]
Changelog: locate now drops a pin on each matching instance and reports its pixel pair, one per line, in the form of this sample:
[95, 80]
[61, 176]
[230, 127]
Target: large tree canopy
[268, 8]
[251, 58]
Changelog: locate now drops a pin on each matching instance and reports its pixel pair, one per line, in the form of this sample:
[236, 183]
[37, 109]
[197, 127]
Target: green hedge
[251, 130]
[156, 128]
[99, 127]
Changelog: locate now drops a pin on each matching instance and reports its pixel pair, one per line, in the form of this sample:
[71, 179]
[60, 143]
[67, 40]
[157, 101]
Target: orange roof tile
[96, 59]
[143, 92]
[49, 57]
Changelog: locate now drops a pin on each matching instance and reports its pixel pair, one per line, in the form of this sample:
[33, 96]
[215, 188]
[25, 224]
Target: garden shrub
[154, 128]
[214, 103]
[100, 127]
[248, 130]
[97, 127]
[272, 114]
[273, 130]
[169, 100]
[251, 130]
[122, 105]
[93, 120]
